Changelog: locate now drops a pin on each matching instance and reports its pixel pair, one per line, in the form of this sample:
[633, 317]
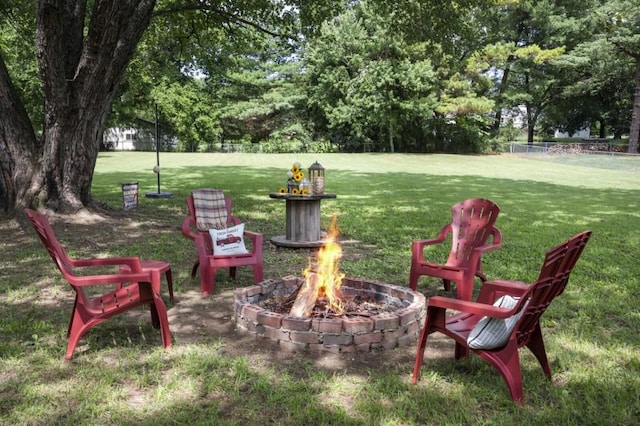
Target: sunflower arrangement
[295, 177]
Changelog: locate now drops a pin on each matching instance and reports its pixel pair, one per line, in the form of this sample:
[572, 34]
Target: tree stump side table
[302, 229]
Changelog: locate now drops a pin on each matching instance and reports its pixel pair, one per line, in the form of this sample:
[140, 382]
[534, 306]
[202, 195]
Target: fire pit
[376, 316]
[326, 311]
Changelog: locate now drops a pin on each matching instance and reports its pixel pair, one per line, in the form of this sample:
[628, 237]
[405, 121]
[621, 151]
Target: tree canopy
[409, 76]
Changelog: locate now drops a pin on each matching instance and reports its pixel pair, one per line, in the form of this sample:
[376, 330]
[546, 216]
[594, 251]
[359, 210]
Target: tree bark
[499, 98]
[634, 130]
[20, 150]
[80, 76]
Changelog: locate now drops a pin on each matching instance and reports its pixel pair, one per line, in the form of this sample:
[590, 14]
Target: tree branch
[625, 50]
[225, 17]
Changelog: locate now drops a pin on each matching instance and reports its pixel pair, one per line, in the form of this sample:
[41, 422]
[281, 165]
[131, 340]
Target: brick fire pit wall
[346, 334]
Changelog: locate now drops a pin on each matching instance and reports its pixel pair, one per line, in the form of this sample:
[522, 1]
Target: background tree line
[372, 78]
[410, 76]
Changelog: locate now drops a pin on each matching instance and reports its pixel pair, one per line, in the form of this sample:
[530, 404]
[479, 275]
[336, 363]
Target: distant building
[580, 134]
[132, 139]
[517, 117]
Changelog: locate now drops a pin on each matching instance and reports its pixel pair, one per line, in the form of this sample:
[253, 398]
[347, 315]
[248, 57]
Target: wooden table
[302, 220]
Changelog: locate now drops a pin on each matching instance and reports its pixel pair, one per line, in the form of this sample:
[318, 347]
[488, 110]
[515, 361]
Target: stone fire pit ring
[341, 334]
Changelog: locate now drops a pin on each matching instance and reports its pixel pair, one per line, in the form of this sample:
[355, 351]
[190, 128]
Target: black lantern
[316, 177]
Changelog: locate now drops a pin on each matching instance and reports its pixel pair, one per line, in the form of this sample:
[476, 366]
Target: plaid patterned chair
[211, 209]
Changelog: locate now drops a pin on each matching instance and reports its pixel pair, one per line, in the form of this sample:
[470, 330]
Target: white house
[128, 139]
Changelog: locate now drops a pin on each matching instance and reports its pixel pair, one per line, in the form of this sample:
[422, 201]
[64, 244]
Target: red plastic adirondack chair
[132, 289]
[532, 301]
[207, 261]
[471, 228]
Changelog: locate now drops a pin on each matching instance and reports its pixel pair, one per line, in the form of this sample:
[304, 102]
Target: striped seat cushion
[491, 333]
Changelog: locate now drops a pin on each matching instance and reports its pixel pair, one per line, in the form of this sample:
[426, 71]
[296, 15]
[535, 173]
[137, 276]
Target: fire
[323, 278]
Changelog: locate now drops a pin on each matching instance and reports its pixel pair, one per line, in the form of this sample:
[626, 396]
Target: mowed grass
[384, 201]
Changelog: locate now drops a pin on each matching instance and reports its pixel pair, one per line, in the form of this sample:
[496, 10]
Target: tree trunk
[499, 101]
[531, 125]
[634, 131]
[80, 75]
[532, 119]
[530, 134]
[20, 150]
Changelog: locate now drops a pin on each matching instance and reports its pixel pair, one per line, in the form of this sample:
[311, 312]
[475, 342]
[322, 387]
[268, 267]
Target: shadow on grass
[215, 373]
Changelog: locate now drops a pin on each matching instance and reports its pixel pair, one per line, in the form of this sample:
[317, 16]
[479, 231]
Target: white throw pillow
[491, 333]
[228, 241]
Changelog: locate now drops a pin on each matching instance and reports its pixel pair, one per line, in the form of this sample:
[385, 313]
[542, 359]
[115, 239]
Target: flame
[324, 277]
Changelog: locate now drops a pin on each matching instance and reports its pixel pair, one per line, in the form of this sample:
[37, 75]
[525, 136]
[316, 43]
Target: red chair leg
[257, 273]
[507, 363]
[536, 346]
[413, 280]
[446, 284]
[160, 310]
[169, 276]
[422, 345]
[207, 280]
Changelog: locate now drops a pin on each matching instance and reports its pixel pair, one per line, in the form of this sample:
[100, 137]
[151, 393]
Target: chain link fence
[596, 154]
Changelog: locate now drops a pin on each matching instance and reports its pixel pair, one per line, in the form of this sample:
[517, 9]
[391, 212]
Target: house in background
[135, 139]
[128, 139]
[517, 117]
[582, 134]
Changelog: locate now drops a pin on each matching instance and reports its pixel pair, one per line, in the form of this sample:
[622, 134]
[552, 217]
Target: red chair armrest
[491, 290]
[496, 243]
[419, 245]
[487, 248]
[91, 280]
[135, 273]
[189, 228]
[514, 288]
[256, 242]
[234, 220]
[476, 308]
[201, 244]
[131, 261]
[254, 236]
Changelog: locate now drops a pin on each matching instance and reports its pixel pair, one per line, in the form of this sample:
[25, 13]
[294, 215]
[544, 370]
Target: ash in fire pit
[354, 304]
[375, 316]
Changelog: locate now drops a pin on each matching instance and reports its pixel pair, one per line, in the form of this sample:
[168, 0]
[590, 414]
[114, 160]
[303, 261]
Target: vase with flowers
[295, 181]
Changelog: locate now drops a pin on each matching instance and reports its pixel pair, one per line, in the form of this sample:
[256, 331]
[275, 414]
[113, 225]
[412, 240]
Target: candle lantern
[316, 176]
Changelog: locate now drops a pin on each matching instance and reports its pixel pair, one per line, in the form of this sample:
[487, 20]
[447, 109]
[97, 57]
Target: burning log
[322, 280]
[315, 294]
[306, 298]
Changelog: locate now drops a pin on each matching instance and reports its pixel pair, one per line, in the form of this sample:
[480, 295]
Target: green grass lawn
[384, 201]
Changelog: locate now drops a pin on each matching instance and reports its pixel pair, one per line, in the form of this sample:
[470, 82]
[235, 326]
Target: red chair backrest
[206, 237]
[51, 243]
[554, 276]
[472, 223]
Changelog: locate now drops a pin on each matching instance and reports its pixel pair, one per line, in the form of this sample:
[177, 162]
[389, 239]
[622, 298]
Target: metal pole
[157, 147]
[156, 122]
